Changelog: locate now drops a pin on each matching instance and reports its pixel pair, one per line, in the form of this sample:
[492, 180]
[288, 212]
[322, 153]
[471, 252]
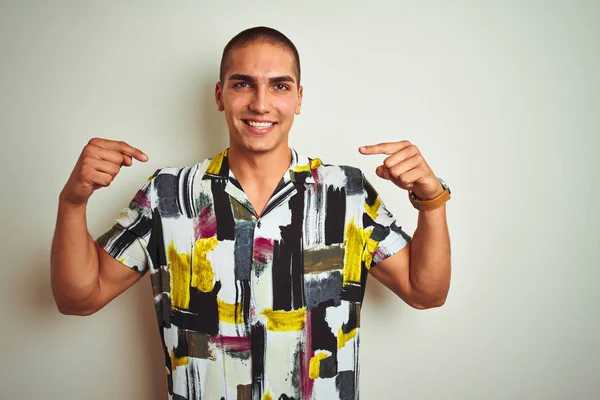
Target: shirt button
[258, 223]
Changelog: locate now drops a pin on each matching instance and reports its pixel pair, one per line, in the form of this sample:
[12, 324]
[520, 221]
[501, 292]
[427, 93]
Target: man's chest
[305, 250]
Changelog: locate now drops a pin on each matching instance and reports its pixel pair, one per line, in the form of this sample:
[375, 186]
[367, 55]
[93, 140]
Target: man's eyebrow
[284, 78]
[251, 79]
[241, 77]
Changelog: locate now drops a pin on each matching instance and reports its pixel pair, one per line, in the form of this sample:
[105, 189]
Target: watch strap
[432, 204]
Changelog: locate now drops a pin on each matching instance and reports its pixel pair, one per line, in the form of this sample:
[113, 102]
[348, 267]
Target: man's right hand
[99, 163]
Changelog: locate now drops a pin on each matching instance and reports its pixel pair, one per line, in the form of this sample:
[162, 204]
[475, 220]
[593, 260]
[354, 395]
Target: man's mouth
[259, 124]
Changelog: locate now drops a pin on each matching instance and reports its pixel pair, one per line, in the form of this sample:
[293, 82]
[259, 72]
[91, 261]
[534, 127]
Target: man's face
[260, 96]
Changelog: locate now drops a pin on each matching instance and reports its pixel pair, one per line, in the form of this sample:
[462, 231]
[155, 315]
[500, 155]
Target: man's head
[259, 34]
[259, 89]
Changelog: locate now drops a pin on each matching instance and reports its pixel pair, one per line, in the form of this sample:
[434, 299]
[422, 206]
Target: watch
[428, 205]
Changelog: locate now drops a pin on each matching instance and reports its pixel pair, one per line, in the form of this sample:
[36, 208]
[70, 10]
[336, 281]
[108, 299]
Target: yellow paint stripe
[370, 248]
[267, 395]
[202, 272]
[314, 369]
[313, 164]
[214, 167]
[373, 210]
[178, 362]
[343, 338]
[285, 321]
[302, 168]
[180, 277]
[354, 247]
[229, 313]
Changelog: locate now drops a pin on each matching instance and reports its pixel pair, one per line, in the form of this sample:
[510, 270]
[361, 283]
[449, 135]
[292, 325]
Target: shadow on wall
[41, 307]
[152, 358]
[208, 135]
[213, 133]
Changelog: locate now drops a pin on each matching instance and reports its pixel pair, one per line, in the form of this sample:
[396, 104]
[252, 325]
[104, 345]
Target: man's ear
[219, 96]
[299, 104]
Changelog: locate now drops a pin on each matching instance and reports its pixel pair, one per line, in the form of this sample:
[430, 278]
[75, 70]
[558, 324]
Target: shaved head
[259, 34]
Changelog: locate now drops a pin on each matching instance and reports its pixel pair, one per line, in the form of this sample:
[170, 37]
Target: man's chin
[257, 146]
[261, 148]
[250, 142]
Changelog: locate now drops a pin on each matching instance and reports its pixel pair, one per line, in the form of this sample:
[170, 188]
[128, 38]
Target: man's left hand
[406, 168]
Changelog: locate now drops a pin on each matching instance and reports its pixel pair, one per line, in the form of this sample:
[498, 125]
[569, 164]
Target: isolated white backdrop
[502, 98]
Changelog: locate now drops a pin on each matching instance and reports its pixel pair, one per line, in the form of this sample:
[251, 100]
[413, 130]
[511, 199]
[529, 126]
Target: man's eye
[241, 85]
[281, 86]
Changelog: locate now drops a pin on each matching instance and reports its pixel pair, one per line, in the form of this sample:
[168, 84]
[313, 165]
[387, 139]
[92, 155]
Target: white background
[502, 98]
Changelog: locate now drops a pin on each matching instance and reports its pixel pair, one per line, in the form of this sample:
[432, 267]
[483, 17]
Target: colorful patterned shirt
[256, 307]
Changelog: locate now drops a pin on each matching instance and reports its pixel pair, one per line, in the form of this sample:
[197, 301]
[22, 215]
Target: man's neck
[254, 168]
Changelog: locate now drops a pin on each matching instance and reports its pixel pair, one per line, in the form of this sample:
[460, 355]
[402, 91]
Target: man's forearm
[430, 257]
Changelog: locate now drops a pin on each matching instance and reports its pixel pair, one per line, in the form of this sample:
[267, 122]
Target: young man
[258, 256]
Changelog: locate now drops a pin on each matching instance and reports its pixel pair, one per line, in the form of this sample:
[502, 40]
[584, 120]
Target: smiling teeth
[260, 124]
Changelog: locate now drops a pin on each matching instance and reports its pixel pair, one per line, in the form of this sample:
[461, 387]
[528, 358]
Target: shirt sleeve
[127, 241]
[384, 237]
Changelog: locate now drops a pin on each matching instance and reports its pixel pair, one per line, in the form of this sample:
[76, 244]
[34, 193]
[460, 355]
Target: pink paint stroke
[263, 250]
[205, 225]
[306, 384]
[315, 174]
[378, 255]
[234, 344]
[142, 200]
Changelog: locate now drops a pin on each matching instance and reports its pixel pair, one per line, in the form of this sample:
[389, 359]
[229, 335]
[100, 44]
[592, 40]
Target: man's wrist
[427, 204]
[68, 206]
[437, 193]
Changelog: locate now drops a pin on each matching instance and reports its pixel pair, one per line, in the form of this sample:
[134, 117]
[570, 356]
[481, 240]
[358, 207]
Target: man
[258, 256]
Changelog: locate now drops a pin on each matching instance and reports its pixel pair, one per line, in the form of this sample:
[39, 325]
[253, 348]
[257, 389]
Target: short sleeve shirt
[257, 307]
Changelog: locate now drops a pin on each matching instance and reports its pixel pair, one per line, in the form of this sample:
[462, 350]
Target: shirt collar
[302, 169]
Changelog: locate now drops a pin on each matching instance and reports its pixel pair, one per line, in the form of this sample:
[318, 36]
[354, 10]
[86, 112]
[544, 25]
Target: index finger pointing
[126, 149]
[384, 148]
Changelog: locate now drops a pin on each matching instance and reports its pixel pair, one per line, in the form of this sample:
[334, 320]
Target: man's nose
[261, 101]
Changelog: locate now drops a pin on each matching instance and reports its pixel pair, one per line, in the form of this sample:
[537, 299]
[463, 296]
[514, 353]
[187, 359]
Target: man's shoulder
[168, 172]
[172, 189]
[168, 180]
[325, 169]
[338, 175]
